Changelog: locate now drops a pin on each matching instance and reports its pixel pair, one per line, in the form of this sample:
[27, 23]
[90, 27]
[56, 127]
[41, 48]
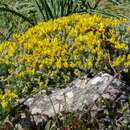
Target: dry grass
[122, 9]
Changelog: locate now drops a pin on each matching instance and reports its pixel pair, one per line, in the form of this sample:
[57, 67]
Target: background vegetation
[17, 16]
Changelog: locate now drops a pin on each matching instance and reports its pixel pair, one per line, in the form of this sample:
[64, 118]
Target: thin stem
[54, 110]
[110, 63]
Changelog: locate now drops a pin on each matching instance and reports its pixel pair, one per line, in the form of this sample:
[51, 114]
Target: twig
[109, 60]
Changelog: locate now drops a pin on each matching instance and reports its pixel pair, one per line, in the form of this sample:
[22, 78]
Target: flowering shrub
[55, 52]
[7, 98]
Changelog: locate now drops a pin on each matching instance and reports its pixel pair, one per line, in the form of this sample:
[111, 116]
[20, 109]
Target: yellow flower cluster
[7, 50]
[58, 50]
[6, 97]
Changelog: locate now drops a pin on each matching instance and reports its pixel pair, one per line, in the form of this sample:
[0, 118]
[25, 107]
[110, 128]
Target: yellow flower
[89, 63]
[65, 64]
[101, 27]
[120, 45]
[7, 97]
[128, 56]
[128, 28]
[118, 60]
[5, 104]
[72, 65]
[127, 64]
[28, 70]
[59, 63]
[73, 32]
[53, 73]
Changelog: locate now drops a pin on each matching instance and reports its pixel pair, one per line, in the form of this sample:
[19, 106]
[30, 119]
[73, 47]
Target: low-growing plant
[54, 53]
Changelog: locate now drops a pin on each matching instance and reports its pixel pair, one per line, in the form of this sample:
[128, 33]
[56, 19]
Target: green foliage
[53, 53]
[16, 16]
[25, 13]
[107, 115]
[28, 12]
